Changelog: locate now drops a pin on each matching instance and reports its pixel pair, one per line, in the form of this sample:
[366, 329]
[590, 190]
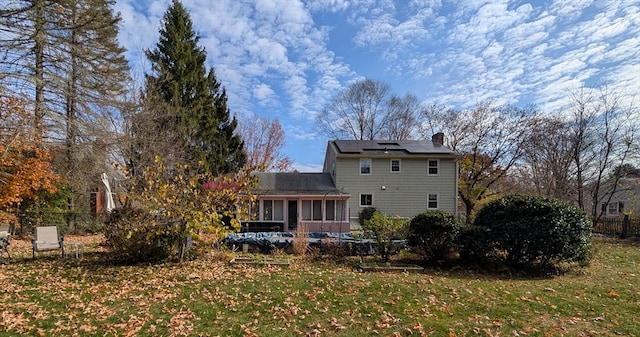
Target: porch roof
[296, 183]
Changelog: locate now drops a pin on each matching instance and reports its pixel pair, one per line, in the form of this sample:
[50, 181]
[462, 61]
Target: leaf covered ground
[94, 296]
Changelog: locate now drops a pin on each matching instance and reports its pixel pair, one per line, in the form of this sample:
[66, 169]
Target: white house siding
[404, 193]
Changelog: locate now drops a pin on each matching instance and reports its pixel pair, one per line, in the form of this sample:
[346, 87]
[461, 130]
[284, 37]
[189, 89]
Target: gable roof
[283, 183]
[394, 147]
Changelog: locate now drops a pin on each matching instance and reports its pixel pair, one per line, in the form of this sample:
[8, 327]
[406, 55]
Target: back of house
[402, 178]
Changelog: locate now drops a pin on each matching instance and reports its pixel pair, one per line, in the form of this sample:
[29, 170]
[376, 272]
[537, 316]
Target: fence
[67, 222]
[623, 226]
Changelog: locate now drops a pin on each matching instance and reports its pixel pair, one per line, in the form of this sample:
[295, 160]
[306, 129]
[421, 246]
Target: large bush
[536, 232]
[434, 233]
[136, 235]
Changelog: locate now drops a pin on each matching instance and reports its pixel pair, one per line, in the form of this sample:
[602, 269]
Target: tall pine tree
[192, 102]
[62, 57]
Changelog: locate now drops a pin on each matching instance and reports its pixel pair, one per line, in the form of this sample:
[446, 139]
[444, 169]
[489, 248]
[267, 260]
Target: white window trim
[613, 211]
[437, 200]
[360, 199]
[391, 166]
[370, 166]
[437, 167]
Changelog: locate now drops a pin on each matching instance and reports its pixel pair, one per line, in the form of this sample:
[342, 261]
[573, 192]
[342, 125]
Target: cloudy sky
[285, 58]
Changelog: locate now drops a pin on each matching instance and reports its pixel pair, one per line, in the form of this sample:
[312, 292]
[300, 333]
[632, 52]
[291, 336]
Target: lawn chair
[47, 238]
[4, 240]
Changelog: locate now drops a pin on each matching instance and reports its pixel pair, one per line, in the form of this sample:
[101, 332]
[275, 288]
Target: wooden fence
[623, 226]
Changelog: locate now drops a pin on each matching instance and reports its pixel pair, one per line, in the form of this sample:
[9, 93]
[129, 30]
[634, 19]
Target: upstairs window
[432, 168]
[395, 165]
[365, 166]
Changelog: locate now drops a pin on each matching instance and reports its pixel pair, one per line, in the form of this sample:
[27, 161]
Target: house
[624, 200]
[402, 178]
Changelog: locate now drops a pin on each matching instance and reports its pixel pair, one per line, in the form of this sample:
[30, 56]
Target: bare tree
[364, 111]
[401, 120]
[604, 134]
[263, 142]
[489, 138]
[547, 160]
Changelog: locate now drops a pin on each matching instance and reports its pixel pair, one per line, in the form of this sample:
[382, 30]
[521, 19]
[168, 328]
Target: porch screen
[330, 208]
[306, 209]
[278, 210]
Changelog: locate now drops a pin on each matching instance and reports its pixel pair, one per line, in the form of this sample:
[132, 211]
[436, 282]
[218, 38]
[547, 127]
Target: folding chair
[5, 237]
[47, 238]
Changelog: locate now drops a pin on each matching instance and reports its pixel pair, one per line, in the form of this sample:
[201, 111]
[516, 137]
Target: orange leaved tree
[25, 165]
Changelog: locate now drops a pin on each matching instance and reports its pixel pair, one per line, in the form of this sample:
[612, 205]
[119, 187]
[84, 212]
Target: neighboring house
[624, 200]
[402, 178]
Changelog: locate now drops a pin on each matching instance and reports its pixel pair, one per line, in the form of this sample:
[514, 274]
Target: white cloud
[264, 94]
[288, 58]
[570, 9]
[328, 5]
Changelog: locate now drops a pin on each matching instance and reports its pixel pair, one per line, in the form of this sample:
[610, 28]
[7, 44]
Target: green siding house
[401, 178]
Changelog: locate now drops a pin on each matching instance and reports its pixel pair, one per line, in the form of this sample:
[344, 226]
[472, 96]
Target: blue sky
[285, 59]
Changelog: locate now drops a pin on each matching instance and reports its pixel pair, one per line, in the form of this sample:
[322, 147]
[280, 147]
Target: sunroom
[287, 202]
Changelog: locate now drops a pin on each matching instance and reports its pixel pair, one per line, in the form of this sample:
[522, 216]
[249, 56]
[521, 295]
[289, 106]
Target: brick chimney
[438, 138]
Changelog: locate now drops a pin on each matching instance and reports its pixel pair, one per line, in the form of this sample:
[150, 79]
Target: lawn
[310, 297]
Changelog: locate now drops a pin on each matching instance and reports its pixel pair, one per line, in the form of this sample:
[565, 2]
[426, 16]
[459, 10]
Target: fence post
[625, 227]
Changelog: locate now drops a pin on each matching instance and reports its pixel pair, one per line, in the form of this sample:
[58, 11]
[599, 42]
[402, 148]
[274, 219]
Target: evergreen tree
[189, 99]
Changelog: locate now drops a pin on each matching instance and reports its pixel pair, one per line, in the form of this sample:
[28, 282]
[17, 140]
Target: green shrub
[536, 232]
[136, 235]
[48, 209]
[387, 232]
[474, 244]
[89, 226]
[434, 233]
[366, 214]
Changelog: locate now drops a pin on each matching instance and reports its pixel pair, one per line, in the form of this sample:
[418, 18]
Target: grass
[310, 297]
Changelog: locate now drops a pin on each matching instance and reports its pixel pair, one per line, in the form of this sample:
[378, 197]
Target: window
[613, 208]
[366, 199]
[312, 210]
[365, 166]
[340, 210]
[330, 208]
[272, 210]
[317, 210]
[306, 209]
[334, 210]
[267, 210]
[432, 168]
[395, 165]
[278, 210]
[432, 201]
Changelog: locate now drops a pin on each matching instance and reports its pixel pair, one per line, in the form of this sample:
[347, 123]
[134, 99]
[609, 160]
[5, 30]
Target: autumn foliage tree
[24, 163]
[173, 204]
